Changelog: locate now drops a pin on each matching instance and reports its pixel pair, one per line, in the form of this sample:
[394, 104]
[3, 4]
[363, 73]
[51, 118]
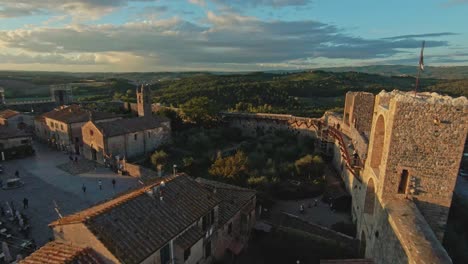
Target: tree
[199, 109]
[309, 165]
[304, 165]
[159, 158]
[232, 168]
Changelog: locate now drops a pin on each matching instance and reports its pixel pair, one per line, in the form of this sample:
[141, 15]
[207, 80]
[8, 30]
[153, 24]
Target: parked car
[12, 184]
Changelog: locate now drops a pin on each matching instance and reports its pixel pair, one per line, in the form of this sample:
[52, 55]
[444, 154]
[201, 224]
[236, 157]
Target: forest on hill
[301, 93]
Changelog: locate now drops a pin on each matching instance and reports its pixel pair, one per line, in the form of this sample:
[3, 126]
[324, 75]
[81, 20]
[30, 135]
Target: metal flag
[421, 57]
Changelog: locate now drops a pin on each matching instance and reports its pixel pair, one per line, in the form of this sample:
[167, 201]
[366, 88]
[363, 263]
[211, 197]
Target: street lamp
[174, 169]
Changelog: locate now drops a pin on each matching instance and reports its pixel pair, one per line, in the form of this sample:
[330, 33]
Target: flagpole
[420, 67]
[417, 81]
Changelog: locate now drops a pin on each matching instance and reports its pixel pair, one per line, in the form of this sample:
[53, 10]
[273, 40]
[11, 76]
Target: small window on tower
[135, 136]
[403, 182]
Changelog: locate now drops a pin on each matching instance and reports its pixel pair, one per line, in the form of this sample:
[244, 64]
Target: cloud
[76, 8]
[429, 35]
[24, 58]
[219, 41]
[198, 2]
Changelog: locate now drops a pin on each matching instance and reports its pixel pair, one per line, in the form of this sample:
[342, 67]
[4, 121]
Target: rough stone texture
[138, 171]
[358, 112]
[128, 145]
[424, 135]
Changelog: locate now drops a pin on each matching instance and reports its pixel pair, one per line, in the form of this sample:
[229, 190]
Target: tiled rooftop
[233, 198]
[62, 253]
[8, 113]
[76, 114]
[189, 237]
[130, 125]
[136, 224]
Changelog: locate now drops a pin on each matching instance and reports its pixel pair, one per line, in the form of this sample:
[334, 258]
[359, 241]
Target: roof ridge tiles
[109, 204]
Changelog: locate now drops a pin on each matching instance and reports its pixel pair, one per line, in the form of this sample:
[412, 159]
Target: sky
[228, 35]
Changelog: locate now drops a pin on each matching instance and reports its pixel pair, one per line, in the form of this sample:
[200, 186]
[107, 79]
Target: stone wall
[138, 171]
[424, 137]
[358, 111]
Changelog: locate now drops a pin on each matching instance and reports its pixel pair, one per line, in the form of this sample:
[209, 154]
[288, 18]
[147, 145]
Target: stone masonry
[358, 113]
[423, 137]
[403, 193]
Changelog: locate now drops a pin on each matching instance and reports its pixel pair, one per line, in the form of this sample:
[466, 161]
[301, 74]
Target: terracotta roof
[136, 224]
[233, 198]
[189, 237]
[129, 125]
[346, 261]
[7, 132]
[76, 114]
[62, 253]
[8, 113]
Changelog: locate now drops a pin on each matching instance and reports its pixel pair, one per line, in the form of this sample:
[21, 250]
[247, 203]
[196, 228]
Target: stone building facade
[16, 119]
[62, 126]
[124, 138]
[14, 143]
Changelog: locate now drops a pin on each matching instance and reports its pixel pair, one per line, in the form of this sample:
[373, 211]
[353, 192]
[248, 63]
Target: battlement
[424, 97]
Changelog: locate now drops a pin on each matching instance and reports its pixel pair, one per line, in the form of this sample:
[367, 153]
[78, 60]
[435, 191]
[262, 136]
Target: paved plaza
[46, 183]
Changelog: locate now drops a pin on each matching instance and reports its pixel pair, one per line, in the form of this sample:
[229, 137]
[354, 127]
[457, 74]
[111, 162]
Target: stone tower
[61, 95]
[358, 111]
[416, 145]
[144, 100]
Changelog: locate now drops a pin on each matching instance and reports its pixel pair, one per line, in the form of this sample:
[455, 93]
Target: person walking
[83, 188]
[100, 185]
[17, 174]
[25, 203]
[113, 183]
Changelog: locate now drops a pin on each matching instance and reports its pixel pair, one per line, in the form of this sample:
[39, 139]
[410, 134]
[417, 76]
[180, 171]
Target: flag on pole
[421, 57]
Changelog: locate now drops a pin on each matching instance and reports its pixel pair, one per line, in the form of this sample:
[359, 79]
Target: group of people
[301, 207]
[83, 187]
[17, 217]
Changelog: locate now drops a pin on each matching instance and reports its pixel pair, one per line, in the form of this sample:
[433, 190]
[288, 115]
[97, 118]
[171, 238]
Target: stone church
[126, 138]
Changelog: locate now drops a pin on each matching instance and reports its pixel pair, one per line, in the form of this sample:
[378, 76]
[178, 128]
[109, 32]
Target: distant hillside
[303, 93]
[453, 72]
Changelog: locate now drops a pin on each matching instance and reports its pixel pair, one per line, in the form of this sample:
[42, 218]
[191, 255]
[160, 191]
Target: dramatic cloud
[441, 34]
[219, 40]
[76, 8]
